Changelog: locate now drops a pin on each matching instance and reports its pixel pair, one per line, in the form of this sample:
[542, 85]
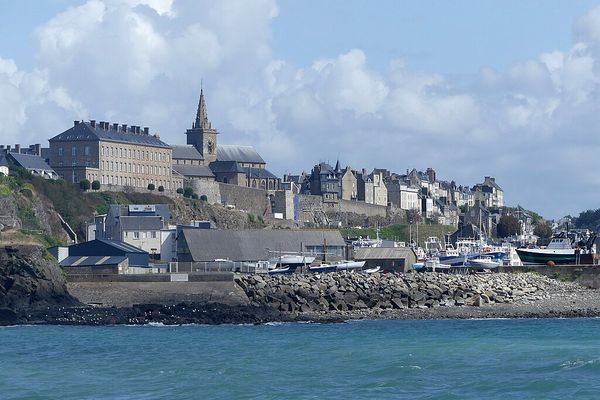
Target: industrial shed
[398, 259]
[205, 245]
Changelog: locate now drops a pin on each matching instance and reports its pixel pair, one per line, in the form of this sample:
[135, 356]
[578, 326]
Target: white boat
[434, 265]
[287, 263]
[342, 265]
[483, 262]
[372, 270]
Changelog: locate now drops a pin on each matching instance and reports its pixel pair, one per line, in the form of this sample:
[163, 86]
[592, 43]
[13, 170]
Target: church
[204, 158]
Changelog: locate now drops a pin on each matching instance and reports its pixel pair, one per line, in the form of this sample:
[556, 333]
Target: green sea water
[448, 359]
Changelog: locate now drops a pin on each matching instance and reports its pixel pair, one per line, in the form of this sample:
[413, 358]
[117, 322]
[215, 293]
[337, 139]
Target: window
[136, 235]
[153, 234]
[73, 151]
[86, 150]
[60, 151]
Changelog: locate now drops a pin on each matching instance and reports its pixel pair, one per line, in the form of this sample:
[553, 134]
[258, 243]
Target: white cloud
[141, 62]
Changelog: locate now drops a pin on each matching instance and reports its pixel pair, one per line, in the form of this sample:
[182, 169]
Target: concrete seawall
[585, 275]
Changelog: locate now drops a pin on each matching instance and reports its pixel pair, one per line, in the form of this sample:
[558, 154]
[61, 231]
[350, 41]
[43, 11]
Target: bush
[96, 185]
[161, 188]
[203, 198]
[151, 186]
[194, 196]
[180, 190]
[188, 192]
[84, 184]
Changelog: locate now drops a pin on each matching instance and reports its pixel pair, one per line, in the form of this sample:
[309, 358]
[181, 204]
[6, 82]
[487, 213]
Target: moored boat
[560, 250]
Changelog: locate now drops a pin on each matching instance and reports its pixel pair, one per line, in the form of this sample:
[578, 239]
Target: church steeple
[201, 115]
[202, 135]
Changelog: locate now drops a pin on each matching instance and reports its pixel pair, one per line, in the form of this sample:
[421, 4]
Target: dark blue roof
[3, 161]
[84, 131]
[234, 167]
[193, 170]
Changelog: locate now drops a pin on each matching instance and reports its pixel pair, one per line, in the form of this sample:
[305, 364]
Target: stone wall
[204, 187]
[255, 201]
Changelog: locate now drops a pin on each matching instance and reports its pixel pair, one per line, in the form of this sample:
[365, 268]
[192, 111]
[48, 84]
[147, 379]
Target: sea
[432, 359]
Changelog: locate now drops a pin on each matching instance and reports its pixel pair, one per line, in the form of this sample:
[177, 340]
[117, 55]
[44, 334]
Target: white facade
[380, 195]
[409, 198]
[4, 170]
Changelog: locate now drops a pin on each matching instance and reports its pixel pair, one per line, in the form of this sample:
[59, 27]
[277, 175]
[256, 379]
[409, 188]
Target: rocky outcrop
[376, 292]
[29, 280]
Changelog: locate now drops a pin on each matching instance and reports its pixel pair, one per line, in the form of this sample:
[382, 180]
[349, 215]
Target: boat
[483, 262]
[560, 250]
[287, 263]
[340, 266]
[372, 270]
[434, 265]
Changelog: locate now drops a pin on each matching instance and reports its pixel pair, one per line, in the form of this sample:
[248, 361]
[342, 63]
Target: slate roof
[245, 154]
[90, 261]
[136, 223]
[383, 253]
[185, 152]
[252, 245]
[29, 161]
[193, 170]
[234, 167]
[3, 160]
[84, 131]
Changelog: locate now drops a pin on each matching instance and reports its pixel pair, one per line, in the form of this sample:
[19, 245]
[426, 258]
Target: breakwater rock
[29, 279]
[375, 292]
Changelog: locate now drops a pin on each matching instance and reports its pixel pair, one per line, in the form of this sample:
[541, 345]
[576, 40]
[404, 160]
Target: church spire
[201, 114]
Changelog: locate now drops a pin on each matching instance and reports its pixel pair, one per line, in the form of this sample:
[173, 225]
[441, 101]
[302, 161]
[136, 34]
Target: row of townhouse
[414, 190]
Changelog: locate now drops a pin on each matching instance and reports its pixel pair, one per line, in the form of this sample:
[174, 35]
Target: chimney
[93, 123]
[101, 125]
[37, 149]
[8, 148]
[124, 128]
[137, 130]
[146, 130]
[17, 148]
[75, 123]
[115, 127]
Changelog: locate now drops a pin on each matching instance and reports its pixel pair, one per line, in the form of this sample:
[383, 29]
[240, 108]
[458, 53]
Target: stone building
[231, 164]
[116, 155]
[349, 185]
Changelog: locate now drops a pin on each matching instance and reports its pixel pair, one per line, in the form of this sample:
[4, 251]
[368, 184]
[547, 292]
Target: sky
[509, 89]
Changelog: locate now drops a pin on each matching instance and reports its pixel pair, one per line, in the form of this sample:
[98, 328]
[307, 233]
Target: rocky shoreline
[333, 297]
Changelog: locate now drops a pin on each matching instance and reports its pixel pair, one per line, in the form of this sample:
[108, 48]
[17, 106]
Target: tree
[188, 192]
[96, 185]
[203, 198]
[413, 216]
[508, 226]
[542, 230]
[161, 188]
[180, 190]
[151, 186]
[194, 196]
[84, 184]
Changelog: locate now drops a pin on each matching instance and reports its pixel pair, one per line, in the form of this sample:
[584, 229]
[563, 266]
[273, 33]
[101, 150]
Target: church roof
[185, 152]
[193, 170]
[244, 154]
[85, 131]
[232, 166]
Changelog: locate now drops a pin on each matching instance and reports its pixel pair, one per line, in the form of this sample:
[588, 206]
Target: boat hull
[543, 256]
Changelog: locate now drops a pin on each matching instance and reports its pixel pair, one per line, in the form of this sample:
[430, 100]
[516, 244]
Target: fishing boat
[483, 262]
[434, 265]
[560, 250]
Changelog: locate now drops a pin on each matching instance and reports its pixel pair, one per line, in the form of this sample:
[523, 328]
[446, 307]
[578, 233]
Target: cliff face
[29, 280]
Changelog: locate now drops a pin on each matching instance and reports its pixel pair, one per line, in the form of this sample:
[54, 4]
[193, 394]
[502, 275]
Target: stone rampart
[210, 189]
[255, 201]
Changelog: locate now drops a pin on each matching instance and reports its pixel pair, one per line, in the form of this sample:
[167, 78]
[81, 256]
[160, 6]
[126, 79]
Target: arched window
[253, 183]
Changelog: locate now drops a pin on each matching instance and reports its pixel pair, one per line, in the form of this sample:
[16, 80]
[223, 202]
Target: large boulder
[30, 279]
